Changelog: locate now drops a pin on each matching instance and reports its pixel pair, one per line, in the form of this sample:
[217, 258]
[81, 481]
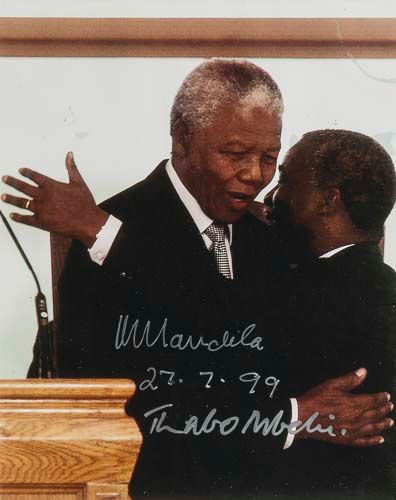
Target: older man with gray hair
[157, 281]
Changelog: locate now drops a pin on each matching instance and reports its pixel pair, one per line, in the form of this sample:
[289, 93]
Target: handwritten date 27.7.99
[156, 377]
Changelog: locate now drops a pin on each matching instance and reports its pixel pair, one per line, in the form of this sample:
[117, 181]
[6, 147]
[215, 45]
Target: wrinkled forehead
[223, 107]
[238, 117]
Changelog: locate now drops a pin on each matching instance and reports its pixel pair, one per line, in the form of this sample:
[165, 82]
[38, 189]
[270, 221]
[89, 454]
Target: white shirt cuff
[294, 418]
[104, 239]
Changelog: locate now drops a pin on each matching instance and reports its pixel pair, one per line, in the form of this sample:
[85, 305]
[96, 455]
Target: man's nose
[252, 173]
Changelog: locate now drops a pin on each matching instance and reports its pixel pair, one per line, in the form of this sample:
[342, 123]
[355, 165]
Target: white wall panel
[198, 8]
[114, 113]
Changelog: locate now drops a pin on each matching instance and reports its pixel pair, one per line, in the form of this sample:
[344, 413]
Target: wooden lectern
[66, 439]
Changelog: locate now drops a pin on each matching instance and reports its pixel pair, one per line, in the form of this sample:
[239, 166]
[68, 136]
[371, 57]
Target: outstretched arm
[68, 209]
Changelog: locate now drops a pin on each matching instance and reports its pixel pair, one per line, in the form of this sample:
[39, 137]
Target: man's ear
[330, 202]
[180, 139]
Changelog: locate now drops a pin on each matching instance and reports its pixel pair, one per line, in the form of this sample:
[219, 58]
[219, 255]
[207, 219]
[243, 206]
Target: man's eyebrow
[248, 147]
[274, 150]
[236, 143]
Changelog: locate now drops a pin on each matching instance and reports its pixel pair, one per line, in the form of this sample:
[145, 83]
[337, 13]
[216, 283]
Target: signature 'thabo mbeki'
[144, 337]
[255, 423]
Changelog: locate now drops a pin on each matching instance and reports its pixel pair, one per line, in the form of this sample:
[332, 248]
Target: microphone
[46, 361]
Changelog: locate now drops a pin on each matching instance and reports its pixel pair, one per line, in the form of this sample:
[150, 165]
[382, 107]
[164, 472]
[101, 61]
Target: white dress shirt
[327, 255]
[202, 221]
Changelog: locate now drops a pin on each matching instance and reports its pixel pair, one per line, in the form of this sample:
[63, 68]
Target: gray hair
[219, 81]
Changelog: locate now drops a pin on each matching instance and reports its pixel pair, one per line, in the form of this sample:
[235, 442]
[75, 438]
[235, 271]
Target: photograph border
[198, 37]
[149, 37]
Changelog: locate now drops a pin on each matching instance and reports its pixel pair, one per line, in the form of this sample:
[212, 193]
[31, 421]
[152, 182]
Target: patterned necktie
[216, 233]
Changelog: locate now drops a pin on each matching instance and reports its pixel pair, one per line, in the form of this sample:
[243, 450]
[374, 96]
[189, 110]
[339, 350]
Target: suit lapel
[177, 230]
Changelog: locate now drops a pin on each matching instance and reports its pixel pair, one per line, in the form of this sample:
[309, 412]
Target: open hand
[68, 209]
[359, 419]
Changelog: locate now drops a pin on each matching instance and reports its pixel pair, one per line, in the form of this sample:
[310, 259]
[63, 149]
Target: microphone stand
[46, 361]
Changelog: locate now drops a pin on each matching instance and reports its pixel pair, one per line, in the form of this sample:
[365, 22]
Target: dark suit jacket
[342, 316]
[159, 268]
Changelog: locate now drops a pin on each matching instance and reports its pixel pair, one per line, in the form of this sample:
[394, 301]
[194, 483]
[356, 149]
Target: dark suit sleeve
[376, 344]
[92, 299]
[80, 328]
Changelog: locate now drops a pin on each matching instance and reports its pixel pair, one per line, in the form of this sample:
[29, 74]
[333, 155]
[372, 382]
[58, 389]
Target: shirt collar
[202, 221]
[327, 255]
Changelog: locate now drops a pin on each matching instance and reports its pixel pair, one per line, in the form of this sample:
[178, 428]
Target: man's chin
[228, 218]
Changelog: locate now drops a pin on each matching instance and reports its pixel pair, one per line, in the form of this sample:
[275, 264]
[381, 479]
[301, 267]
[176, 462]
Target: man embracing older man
[335, 191]
[166, 268]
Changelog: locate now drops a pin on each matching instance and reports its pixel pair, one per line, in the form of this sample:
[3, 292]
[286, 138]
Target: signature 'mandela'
[144, 337]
